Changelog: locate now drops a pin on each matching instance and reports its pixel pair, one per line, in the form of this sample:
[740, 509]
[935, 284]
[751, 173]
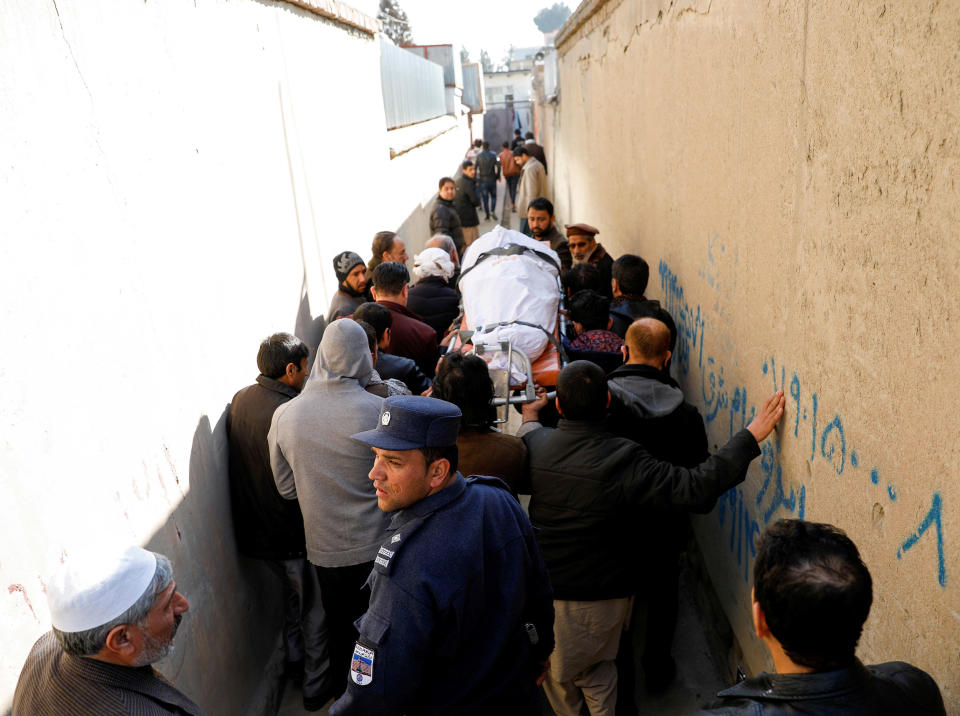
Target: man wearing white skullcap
[114, 613]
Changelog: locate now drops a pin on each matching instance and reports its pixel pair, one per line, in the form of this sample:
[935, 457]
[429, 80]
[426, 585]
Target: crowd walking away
[373, 478]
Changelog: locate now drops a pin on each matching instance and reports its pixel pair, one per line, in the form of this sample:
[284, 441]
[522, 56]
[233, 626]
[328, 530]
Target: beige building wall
[176, 178]
[789, 170]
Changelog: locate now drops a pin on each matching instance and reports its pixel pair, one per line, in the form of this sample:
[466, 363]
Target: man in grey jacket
[315, 461]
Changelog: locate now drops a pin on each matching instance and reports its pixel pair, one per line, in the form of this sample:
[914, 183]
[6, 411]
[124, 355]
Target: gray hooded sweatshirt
[315, 461]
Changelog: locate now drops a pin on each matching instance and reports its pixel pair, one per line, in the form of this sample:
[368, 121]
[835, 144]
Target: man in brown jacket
[510, 171]
[114, 613]
[410, 337]
[267, 526]
[465, 382]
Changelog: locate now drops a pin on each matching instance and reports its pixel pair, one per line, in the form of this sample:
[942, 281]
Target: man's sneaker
[492, 216]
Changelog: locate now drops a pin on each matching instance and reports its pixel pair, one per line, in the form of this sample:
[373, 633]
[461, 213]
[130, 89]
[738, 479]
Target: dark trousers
[487, 188]
[345, 599]
[654, 620]
[512, 184]
[305, 624]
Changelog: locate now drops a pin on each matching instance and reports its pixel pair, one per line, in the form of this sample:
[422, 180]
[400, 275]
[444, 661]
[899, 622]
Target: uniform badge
[361, 666]
[385, 418]
[395, 538]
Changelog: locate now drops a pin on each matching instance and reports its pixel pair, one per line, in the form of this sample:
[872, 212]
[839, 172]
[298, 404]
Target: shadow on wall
[307, 328]
[228, 655]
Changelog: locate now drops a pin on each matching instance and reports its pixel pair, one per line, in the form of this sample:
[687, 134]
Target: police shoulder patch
[361, 666]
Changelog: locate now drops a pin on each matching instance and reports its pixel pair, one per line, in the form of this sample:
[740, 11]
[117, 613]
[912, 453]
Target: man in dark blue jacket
[811, 596]
[460, 618]
[391, 366]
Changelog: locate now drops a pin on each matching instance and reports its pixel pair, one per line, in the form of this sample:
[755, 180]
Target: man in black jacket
[488, 174]
[391, 366]
[811, 596]
[586, 485]
[444, 218]
[270, 528]
[466, 203]
[647, 406]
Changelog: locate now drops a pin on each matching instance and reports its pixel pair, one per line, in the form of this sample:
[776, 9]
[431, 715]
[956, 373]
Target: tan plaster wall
[789, 171]
[176, 178]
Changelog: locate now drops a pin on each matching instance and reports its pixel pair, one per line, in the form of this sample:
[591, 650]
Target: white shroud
[518, 287]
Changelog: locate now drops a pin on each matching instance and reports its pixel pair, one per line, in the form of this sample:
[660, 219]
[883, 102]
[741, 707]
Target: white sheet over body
[520, 287]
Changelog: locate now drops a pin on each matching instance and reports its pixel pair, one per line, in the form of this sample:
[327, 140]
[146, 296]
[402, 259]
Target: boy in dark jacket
[811, 596]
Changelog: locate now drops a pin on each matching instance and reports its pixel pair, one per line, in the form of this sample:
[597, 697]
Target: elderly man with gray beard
[315, 461]
[114, 613]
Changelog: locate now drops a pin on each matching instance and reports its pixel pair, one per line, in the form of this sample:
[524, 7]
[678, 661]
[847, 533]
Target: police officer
[460, 618]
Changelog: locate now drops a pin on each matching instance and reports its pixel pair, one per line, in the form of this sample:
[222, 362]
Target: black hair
[486, 145]
[632, 274]
[448, 452]
[444, 180]
[389, 278]
[583, 276]
[521, 150]
[278, 351]
[541, 204]
[466, 164]
[582, 391]
[465, 382]
[505, 145]
[371, 333]
[529, 135]
[377, 316]
[590, 309]
[517, 132]
[814, 590]
[477, 142]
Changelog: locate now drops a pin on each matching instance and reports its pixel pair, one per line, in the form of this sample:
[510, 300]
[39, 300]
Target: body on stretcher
[511, 312]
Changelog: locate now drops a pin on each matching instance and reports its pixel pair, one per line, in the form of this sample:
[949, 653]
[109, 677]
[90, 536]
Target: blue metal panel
[413, 87]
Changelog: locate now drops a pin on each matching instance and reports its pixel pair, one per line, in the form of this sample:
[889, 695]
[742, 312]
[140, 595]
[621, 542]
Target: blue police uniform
[452, 591]
[461, 610]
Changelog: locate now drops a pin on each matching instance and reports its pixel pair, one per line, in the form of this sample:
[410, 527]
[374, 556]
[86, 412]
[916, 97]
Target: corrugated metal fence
[473, 87]
[413, 89]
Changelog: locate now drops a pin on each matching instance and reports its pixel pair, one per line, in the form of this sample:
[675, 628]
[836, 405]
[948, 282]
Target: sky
[493, 25]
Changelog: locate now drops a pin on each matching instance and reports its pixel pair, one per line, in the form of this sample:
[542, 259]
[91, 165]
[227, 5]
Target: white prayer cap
[94, 588]
[433, 262]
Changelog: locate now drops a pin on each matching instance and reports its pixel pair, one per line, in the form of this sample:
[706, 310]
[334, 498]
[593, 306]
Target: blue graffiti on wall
[726, 402]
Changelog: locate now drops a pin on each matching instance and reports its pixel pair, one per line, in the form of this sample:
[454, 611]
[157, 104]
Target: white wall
[176, 178]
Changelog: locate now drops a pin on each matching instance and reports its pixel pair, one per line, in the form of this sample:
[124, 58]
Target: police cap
[409, 422]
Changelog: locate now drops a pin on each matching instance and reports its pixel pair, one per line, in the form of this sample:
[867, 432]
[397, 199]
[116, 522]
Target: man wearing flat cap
[114, 613]
[460, 618]
[353, 285]
[582, 239]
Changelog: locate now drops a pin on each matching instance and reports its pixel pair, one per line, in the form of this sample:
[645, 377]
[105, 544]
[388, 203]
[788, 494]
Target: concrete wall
[176, 179]
[789, 171]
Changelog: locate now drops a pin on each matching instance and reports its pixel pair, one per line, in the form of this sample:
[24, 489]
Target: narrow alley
[721, 316]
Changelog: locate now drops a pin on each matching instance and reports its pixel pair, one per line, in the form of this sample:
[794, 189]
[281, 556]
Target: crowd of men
[378, 489]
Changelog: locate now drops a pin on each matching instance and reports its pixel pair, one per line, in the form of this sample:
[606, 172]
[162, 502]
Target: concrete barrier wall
[789, 171]
[176, 178]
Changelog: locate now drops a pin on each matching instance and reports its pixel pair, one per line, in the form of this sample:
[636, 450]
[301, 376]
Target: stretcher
[510, 313]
